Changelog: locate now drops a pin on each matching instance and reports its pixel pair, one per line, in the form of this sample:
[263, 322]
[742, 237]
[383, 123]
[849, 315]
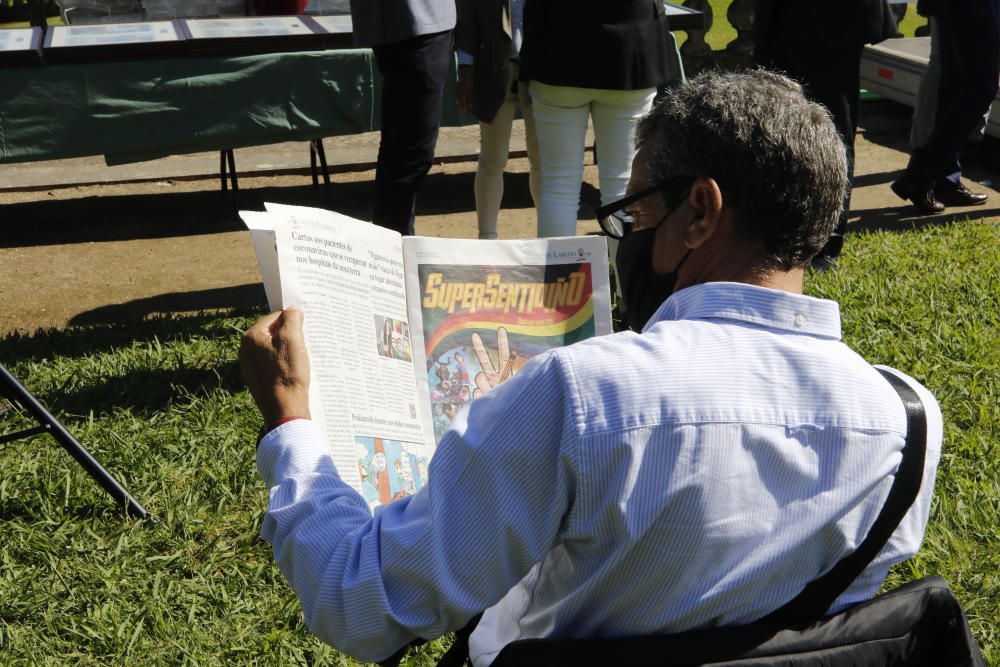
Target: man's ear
[705, 200]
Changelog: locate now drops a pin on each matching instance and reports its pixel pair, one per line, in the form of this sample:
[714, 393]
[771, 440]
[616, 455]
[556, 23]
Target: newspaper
[402, 332]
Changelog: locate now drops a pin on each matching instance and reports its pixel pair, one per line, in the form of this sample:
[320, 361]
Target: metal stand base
[225, 157]
[316, 150]
[15, 392]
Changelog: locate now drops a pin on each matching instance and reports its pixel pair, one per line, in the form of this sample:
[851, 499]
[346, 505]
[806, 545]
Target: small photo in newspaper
[390, 469]
[393, 338]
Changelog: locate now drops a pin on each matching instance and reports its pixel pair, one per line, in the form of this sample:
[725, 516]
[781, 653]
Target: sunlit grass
[161, 403]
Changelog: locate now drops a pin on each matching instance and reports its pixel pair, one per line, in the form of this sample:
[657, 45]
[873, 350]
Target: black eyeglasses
[613, 219]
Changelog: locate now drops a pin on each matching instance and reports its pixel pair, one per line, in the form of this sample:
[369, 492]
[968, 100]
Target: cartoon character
[440, 419]
[461, 370]
[441, 370]
[405, 474]
[368, 490]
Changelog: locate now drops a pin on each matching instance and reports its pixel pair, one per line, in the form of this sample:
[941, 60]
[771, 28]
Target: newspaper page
[484, 308]
[347, 275]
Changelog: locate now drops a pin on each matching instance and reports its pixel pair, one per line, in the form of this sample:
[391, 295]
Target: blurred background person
[967, 35]
[412, 44]
[600, 60]
[488, 40]
[819, 44]
[927, 98]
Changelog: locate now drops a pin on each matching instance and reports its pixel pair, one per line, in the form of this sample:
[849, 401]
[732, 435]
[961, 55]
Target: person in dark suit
[819, 44]
[412, 44]
[968, 34]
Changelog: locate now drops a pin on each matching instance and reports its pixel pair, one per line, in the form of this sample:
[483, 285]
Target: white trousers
[561, 115]
[494, 147]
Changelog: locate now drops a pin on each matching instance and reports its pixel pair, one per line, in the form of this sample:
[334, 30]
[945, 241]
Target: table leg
[322, 160]
[222, 170]
[232, 170]
[312, 163]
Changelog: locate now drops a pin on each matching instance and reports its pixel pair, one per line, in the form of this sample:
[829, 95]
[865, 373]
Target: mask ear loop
[677, 268]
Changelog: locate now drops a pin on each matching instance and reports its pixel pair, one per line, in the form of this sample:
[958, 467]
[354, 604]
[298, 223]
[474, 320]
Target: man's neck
[743, 267]
[788, 281]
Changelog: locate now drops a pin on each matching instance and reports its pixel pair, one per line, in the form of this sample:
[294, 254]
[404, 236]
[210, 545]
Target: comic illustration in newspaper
[481, 324]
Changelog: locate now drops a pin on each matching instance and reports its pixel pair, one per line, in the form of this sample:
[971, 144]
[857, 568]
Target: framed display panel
[683, 18]
[20, 46]
[338, 29]
[112, 41]
[250, 35]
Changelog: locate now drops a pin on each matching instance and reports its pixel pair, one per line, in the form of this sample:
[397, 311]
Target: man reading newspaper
[695, 472]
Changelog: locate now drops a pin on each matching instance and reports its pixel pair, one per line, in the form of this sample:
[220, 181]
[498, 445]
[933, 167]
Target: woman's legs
[560, 118]
[531, 142]
[615, 114]
[494, 143]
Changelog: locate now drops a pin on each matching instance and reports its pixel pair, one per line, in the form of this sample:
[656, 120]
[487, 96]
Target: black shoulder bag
[919, 623]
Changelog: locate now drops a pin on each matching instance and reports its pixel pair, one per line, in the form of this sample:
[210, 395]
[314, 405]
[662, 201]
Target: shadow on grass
[35, 510]
[240, 297]
[144, 392]
[101, 338]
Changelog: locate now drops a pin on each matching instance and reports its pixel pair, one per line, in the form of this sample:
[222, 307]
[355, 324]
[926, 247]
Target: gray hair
[776, 156]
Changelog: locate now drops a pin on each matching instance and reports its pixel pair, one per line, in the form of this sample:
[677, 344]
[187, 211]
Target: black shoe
[821, 263]
[826, 258]
[950, 194]
[923, 198]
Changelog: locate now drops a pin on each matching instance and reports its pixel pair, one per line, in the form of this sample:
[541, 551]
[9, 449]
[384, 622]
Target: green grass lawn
[162, 404]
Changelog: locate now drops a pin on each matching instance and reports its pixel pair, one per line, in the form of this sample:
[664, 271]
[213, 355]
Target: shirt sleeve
[501, 486]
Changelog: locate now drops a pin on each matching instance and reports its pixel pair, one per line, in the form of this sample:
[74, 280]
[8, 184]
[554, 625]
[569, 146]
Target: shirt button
[800, 320]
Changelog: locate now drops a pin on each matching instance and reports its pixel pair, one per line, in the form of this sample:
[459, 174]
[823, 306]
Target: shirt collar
[761, 306]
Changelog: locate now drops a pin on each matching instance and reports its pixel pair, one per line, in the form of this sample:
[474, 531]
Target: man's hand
[276, 366]
[463, 90]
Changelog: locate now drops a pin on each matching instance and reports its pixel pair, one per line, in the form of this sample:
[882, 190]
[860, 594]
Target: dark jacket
[608, 44]
[958, 7]
[385, 21]
[868, 21]
[484, 31]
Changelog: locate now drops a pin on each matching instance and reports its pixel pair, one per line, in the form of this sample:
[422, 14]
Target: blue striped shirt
[696, 475]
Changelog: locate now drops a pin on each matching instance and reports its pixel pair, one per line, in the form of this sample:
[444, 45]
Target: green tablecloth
[146, 109]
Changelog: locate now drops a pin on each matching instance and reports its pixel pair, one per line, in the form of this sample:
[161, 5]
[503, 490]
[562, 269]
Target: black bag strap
[817, 597]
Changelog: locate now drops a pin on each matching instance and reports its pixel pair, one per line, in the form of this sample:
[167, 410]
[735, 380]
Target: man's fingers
[264, 325]
[289, 341]
[287, 328]
[292, 317]
[259, 335]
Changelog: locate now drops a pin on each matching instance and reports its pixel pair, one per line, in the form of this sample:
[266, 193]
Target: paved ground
[84, 243]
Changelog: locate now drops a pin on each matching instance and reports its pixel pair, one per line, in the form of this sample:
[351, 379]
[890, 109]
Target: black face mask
[643, 290]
